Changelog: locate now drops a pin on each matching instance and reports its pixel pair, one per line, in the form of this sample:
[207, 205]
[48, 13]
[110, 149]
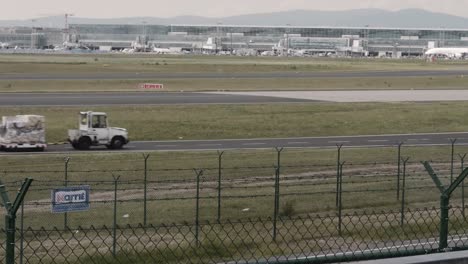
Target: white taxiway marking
[165, 146]
[297, 143]
[252, 144]
[378, 140]
[209, 145]
[344, 141]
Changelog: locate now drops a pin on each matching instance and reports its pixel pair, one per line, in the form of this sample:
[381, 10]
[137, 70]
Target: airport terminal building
[358, 41]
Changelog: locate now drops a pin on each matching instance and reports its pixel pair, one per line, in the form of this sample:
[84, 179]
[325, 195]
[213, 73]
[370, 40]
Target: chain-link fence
[309, 237]
[328, 205]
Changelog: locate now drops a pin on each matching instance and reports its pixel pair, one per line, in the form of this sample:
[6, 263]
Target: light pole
[230, 39]
[33, 31]
[365, 44]
[218, 37]
[395, 50]
[287, 39]
[143, 36]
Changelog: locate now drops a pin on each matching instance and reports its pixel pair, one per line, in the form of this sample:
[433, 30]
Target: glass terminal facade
[348, 40]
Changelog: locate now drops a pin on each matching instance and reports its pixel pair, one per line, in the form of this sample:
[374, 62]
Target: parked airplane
[71, 45]
[167, 51]
[4, 45]
[127, 50]
[448, 52]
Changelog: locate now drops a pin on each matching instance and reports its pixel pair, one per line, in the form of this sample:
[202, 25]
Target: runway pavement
[164, 98]
[248, 75]
[365, 141]
[137, 98]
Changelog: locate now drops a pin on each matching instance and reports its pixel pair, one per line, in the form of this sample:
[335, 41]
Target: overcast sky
[28, 9]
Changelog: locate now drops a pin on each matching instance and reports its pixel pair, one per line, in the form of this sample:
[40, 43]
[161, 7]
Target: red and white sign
[151, 86]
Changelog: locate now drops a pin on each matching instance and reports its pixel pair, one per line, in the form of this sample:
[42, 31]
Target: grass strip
[229, 84]
[173, 122]
[166, 63]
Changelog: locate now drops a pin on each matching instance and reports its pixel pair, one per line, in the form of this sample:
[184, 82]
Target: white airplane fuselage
[449, 52]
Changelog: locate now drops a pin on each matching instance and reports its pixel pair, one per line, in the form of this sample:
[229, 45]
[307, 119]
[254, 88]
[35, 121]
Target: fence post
[445, 194]
[220, 155]
[275, 208]
[403, 186]
[65, 215]
[277, 190]
[197, 207]
[444, 219]
[114, 224]
[145, 189]
[22, 233]
[10, 217]
[338, 162]
[398, 172]
[452, 141]
[278, 165]
[340, 200]
[462, 166]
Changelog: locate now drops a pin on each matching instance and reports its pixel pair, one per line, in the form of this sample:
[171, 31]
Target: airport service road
[137, 98]
[155, 76]
[304, 142]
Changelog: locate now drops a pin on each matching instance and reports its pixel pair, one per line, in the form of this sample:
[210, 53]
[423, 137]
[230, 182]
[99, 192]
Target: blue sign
[70, 199]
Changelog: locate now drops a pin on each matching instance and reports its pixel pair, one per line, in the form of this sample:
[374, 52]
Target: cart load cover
[22, 129]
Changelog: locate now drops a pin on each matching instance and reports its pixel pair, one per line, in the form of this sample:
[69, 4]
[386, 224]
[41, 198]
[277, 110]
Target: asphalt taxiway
[363, 141]
[215, 75]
